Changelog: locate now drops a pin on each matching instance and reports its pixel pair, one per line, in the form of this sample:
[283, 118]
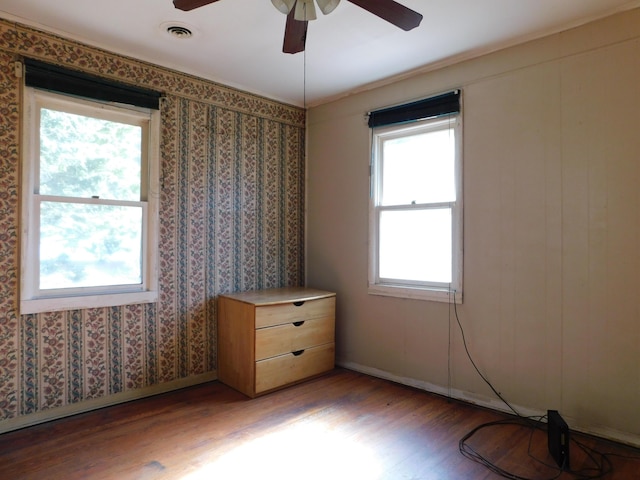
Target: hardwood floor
[343, 425]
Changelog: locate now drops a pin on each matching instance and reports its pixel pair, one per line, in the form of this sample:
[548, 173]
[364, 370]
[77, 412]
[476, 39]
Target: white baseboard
[94, 404]
[494, 404]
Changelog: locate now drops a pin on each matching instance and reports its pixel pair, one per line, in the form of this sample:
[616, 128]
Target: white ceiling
[239, 42]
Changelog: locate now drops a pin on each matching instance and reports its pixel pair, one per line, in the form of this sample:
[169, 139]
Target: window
[90, 203]
[416, 209]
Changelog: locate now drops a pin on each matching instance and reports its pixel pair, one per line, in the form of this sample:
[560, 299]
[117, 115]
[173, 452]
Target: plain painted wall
[551, 231]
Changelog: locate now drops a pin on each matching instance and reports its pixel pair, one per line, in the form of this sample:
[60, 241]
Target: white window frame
[408, 289]
[31, 299]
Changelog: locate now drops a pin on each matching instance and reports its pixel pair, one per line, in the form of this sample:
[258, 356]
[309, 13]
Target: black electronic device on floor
[558, 438]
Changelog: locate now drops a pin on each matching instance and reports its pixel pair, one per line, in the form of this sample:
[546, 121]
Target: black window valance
[437, 106]
[59, 79]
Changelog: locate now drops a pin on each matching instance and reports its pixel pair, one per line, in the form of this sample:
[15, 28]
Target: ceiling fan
[299, 12]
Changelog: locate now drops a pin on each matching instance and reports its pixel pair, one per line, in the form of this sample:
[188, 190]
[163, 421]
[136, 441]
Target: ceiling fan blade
[392, 12]
[187, 5]
[295, 34]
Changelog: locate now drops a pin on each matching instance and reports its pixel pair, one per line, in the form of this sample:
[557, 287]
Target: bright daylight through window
[90, 188]
[416, 209]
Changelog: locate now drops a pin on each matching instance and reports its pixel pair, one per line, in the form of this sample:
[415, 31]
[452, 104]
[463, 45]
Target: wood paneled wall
[551, 231]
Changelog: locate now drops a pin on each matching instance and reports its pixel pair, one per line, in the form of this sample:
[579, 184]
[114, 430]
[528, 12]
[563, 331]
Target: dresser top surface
[274, 296]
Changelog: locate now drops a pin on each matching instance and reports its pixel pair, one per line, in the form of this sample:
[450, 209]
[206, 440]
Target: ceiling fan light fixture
[327, 6]
[284, 6]
[305, 10]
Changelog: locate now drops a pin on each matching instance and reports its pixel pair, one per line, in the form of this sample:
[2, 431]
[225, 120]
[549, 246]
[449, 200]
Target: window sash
[398, 280]
[34, 286]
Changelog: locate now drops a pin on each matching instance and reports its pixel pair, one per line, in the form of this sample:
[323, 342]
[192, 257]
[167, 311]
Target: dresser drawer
[270, 315]
[281, 339]
[285, 369]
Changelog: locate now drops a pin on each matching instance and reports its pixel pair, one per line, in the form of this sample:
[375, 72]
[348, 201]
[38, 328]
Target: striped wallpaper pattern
[231, 219]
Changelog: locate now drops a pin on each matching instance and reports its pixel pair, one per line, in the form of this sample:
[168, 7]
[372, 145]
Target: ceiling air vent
[177, 30]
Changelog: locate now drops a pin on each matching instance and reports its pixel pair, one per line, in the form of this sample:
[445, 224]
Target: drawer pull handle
[298, 304]
[297, 353]
[297, 324]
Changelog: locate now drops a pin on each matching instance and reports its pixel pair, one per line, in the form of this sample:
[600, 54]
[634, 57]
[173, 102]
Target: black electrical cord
[466, 349]
[601, 461]
[470, 453]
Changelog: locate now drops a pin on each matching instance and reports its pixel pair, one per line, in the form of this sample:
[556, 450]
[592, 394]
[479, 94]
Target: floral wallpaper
[231, 219]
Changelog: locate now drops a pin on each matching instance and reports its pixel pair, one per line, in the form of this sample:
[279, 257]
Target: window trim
[376, 286]
[81, 298]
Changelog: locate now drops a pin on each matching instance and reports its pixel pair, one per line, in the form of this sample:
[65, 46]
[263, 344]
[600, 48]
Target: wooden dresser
[268, 339]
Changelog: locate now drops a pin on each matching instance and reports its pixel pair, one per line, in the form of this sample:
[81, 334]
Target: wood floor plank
[343, 425]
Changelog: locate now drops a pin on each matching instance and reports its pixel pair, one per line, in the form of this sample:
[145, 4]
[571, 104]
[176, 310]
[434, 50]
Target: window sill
[83, 302]
[434, 295]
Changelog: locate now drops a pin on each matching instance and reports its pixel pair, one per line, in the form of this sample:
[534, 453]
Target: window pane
[419, 168]
[85, 157]
[89, 245]
[415, 245]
